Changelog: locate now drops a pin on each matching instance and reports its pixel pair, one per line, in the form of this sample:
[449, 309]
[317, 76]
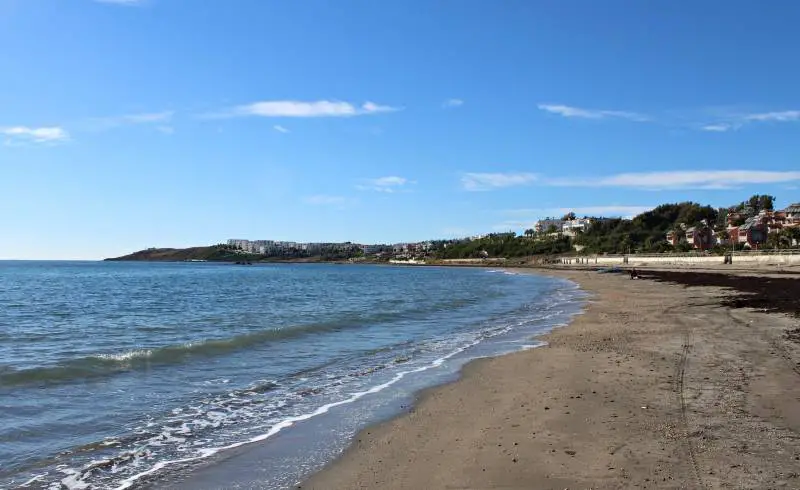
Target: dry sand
[656, 386]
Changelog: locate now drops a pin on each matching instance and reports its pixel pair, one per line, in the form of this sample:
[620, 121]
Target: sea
[118, 375]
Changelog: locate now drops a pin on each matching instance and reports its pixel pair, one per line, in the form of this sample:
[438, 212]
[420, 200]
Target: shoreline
[618, 398]
[240, 467]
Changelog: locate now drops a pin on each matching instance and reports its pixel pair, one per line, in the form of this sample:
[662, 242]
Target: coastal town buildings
[571, 228]
[543, 225]
[701, 237]
[793, 214]
[275, 247]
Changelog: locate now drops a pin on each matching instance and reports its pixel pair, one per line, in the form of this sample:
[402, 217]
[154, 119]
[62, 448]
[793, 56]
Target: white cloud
[781, 116]
[388, 184]
[568, 111]
[718, 128]
[294, 108]
[165, 129]
[280, 129]
[111, 122]
[699, 179]
[728, 120]
[325, 200]
[489, 181]
[18, 134]
[371, 107]
[452, 103]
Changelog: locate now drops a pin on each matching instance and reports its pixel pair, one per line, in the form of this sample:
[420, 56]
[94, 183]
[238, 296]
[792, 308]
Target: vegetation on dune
[646, 232]
[222, 253]
[229, 253]
[504, 245]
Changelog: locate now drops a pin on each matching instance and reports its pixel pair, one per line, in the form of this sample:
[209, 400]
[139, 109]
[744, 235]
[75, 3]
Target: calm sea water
[116, 375]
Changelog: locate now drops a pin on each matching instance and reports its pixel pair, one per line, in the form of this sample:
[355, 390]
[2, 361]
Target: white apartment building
[572, 227]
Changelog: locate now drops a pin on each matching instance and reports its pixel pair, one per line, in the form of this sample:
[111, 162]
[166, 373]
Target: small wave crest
[105, 364]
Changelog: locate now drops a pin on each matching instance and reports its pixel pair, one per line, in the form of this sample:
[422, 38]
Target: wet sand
[656, 385]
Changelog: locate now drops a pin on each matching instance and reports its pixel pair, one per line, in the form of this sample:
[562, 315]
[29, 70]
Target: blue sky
[127, 124]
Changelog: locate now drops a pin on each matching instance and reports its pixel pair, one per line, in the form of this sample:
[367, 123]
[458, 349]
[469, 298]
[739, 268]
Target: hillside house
[700, 237]
[572, 227]
[674, 238]
[751, 234]
[792, 215]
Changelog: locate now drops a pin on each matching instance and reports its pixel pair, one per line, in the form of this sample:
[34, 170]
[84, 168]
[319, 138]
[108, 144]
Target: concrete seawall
[651, 259]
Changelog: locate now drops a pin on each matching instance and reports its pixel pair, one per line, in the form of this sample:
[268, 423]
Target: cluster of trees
[744, 210]
[784, 239]
[503, 245]
[646, 232]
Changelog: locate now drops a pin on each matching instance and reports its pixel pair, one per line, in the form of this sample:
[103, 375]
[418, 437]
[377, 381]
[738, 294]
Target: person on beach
[634, 274]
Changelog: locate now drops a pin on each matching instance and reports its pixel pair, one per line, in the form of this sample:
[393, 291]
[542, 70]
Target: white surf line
[206, 453]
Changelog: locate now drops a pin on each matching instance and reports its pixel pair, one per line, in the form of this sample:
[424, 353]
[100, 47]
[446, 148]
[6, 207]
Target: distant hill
[213, 253]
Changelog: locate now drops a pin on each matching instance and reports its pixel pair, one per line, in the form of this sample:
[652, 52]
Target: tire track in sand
[679, 388]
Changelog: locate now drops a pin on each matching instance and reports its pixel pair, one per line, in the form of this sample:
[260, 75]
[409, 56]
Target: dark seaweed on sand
[768, 294]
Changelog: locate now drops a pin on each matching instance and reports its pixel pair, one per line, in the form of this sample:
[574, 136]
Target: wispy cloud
[326, 200]
[296, 108]
[105, 123]
[781, 116]
[710, 119]
[569, 111]
[490, 181]
[730, 120]
[24, 134]
[280, 129]
[709, 179]
[719, 128]
[451, 103]
[165, 129]
[148, 117]
[388, 184]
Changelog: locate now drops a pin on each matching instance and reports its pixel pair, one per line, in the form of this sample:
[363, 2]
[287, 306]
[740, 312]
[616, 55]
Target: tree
[757, 203]
[774, 241]
[792, 235]
[625, 244]
[530, 232]
[722, 219]
[552, 229]
[568, 217]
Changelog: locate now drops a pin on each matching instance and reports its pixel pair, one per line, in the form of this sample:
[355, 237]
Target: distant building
[371, 249]
[792, 215]
[543, 225]
[572, 227]
[700, 237]
[751, 234]
[674, 237]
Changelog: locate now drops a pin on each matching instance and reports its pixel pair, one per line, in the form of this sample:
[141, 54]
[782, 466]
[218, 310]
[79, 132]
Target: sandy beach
[656, 385]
